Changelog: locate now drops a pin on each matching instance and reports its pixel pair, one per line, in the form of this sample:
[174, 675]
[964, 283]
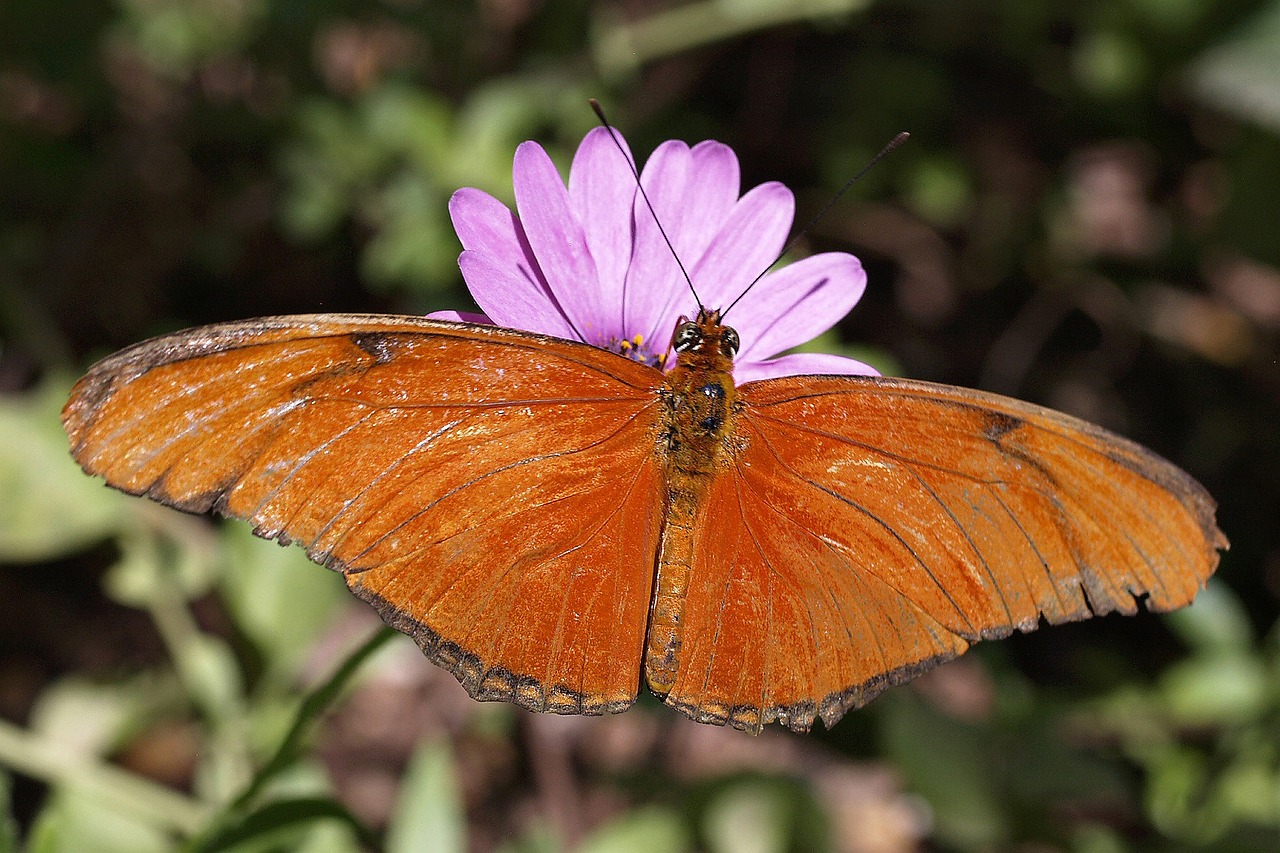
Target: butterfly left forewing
[492, 493]
[868, 529]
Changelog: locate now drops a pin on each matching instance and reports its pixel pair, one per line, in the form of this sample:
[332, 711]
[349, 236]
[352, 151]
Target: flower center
[636, 349]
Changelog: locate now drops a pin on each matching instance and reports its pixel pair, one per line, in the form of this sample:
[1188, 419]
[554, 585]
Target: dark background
[1086, 216]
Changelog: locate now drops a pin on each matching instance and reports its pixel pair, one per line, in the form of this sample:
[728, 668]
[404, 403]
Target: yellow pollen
[639, 340]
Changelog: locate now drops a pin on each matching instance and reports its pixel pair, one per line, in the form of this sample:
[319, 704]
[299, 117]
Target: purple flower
[588, 263]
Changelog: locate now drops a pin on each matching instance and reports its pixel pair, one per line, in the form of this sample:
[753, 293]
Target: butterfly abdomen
[666, 609]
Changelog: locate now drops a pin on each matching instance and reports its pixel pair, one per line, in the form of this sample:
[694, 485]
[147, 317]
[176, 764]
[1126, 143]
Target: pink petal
[558, 241]
[506, 295]
[709, 198]
[484, 224]
[801, 364]
[748, 244]
[472, 317]
[654, 281]
[797, 303]
[488, 229]
[601, 191]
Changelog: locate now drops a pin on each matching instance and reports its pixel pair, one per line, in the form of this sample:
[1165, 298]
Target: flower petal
[801, 364]
[558, 241]
[709, 198]
[484, 224]
[505, 295]
[519, 297]
[472, 317]
[654, 280]
[602, 190]
[747, 244]
[797, 303]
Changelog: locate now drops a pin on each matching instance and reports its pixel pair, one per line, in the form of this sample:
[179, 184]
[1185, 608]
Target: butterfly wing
[867, 530]
[494, 494]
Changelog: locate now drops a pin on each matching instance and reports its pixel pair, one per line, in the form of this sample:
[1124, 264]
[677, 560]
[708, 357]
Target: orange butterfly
[552, 521]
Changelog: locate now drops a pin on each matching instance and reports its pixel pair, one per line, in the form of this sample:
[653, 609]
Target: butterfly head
[705, 336]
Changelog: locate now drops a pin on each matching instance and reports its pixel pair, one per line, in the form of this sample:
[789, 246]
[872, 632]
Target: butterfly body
[556, 524]
[698, 396]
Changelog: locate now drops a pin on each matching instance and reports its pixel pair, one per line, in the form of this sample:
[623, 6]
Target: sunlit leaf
[74, 821]
[278, 597]
[1242, 74]
[749, 818]
[154, 565]
[87, 719]
[48, 507]
[651, 830]
[1217, 689]
[1216, 622]
[428, 816]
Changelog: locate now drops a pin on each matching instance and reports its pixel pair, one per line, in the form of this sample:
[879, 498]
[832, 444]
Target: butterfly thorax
[699, 396]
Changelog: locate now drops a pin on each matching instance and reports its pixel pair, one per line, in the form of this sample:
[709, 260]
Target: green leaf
[651, 830]
[48, 507]
[428, 816]
[174, 36]
[1110, 64]
[1216, 622]
[1242, 74]
[313, 705]
[940, 190]
[75, 821]
[1217, 689]
[538, 838]
[411, 122]
[750, 817]
[949, 763]
[165, 556]
[279, 598]
[414, 241]
[83, 718]
[210, 673]
[292, 746]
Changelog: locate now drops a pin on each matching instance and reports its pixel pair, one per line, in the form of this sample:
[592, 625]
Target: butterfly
[555, 524]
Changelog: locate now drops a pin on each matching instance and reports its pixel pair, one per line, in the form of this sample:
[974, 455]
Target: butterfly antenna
[604, 122]
[884, 152]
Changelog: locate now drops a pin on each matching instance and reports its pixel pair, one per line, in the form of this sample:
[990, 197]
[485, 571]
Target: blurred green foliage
[1086, 216]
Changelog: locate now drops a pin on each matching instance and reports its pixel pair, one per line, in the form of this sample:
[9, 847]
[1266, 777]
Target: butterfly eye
[729, 342]
[687, 336]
